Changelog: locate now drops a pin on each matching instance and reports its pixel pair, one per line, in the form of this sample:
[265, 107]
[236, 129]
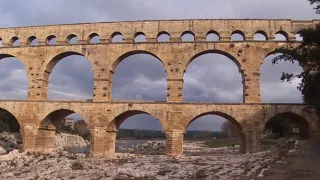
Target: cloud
[209, 78]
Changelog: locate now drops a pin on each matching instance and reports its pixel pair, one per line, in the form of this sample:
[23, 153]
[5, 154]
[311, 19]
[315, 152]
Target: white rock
[3, 151]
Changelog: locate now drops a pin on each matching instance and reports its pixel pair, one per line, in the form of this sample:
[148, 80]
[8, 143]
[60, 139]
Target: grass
[267, 142]
[222, 143]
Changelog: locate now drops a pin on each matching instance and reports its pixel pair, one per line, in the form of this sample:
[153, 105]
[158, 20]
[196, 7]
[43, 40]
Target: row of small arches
[187, 36]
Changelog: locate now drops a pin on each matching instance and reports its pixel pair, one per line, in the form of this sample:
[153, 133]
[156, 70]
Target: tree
[317, 8]
[307, 53]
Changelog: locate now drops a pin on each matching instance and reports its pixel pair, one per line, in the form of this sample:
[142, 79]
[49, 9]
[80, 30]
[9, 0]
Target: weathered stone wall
[103, 119]
[104, 116]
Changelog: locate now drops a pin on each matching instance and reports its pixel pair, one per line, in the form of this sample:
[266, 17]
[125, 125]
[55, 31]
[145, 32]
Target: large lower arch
[138, 75]
[9, 124]
[45, 137]
[213, 76]
[119, 119]
[14, 78]
[228, 118]
[70, 81]
[288, 124]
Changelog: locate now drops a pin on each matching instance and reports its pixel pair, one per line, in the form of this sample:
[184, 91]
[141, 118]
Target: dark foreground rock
[302, 163]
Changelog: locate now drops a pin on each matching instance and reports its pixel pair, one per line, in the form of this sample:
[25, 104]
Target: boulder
[3, 151]
[72, 143]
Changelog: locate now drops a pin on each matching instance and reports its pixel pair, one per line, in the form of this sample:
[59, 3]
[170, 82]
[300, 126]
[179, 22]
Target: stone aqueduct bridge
[38, 116]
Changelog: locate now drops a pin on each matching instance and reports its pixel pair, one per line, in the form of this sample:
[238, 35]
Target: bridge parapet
[200, 28]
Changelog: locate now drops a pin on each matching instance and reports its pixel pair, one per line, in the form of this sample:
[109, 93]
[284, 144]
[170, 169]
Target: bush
[77, 166]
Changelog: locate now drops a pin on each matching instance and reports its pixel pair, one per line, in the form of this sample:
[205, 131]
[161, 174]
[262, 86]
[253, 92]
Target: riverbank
[199, 161]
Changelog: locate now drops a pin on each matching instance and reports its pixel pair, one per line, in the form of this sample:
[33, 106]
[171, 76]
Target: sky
[139, 75]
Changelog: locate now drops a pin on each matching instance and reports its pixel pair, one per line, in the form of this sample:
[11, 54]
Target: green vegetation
[307, 54]
[155, 134]
[77, 166]
[222, 143]
[8, 122]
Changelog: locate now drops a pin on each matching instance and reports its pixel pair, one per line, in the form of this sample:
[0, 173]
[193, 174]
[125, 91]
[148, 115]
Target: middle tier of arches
[175, 58]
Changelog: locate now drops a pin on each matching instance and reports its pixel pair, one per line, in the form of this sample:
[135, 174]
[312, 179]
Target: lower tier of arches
[37, 120]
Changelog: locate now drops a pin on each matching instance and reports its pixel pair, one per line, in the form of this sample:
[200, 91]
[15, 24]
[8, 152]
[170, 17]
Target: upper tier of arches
[152, 30]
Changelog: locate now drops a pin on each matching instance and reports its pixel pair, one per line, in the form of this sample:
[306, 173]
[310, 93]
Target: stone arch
[117, 33]
[49, 38]
[54, 59]
[14, 41]
[30, 40]
[188, 32]
[276, 50]
[58, 57]
[262, 33]
[139, 34]
[240, 33]
[213, 32]
[92, 35]
[45, 136]
[215, 51]
[25, 64]
[161, 33]
[120, 117]
[130, 53]
[307, 124]
[61, 112]
[224, 53]
[285, 34]
[270, 77]
[71, 36]
[230, 118]
[23, 85]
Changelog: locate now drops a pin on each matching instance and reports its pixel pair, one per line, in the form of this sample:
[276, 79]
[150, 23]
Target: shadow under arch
[220, 52]
[287, 124]
[9, 121]
[227, 117]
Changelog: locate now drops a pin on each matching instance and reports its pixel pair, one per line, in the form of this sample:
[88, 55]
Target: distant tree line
[156, 134]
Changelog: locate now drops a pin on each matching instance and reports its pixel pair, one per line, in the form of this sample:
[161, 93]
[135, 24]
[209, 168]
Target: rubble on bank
[147, 162]
[9, 142]
[200, 162]
[147, 148]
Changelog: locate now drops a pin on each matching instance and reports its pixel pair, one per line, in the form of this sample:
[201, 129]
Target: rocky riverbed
[199, 162]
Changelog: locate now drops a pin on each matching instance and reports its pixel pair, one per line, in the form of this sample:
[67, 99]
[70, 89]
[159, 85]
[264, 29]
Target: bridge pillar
[110, 143]
[45, 140]
[29, 133]
[102, 90]
[174, 90]
[174, 143]
[97, 141]
[252, 136]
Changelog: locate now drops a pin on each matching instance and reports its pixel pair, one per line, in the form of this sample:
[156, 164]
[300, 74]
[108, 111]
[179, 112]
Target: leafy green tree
[317, 2]
[307, 53]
